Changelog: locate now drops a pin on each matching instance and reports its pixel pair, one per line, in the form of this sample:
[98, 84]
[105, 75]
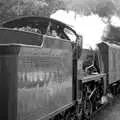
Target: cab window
[70, 34]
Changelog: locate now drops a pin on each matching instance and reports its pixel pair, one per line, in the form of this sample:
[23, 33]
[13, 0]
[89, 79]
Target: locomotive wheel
[87, 114]
[70, 117]
[95, 98]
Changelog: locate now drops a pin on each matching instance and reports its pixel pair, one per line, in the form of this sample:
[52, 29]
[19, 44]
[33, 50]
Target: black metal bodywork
[44, 77]
[38, 76]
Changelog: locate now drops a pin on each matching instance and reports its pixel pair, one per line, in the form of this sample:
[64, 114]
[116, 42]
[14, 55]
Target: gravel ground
[111, 111]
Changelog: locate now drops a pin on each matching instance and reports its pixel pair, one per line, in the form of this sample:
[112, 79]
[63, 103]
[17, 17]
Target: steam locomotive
[45, 74]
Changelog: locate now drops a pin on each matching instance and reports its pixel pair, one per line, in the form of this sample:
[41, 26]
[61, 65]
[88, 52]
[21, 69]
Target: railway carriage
[110, 53]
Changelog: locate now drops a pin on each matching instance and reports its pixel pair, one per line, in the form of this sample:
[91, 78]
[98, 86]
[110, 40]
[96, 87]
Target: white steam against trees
[90, 27]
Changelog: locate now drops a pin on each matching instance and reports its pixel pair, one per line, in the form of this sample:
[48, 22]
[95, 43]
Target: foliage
[105, 8]
[13, 8]
[112, 34]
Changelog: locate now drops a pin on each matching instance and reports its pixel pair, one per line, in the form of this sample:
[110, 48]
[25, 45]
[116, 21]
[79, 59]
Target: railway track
[108, 109]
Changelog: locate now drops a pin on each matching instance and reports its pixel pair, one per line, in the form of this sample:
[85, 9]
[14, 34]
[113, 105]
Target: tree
[13, 8]
[112, 34]
[104, 8]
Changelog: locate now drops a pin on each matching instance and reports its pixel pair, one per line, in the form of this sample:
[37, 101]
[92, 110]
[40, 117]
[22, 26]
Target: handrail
[93, 77]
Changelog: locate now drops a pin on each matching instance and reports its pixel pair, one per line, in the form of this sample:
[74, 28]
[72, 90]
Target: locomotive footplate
[93, 77]
[93, 88]
[96, 77]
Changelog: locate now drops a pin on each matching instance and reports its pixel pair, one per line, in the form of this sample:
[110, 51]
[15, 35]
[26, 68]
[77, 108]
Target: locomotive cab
[37, 73]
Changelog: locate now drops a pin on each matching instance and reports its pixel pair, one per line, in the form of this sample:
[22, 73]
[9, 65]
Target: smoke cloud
[115, 21]
[90, 27]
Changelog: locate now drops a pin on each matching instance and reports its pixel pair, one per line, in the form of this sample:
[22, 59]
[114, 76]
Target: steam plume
[90, 27]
